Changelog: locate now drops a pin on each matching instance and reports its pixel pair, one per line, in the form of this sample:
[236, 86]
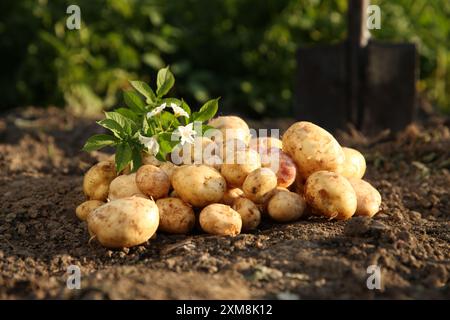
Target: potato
[168, 168]
[258, 185]
[312, 149]
[286, 206]
[125, 222]
[283, 166]
[199, 185]
[221, 220]
[148, 158]
[124, 186]
[175, 216]
[97, 180]
[87, 207]
[236, 170]
[354, 164]
[231, 127]
[265, 143]
[330, 195]
[152, 181]
[228, 149]
[368, 198]
[249, 212]
[232, 194]
[196, 153]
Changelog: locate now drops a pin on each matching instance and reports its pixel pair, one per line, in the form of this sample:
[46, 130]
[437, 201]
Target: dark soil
[41, 171]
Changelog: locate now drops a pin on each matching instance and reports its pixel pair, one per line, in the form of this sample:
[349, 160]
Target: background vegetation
[242, 50]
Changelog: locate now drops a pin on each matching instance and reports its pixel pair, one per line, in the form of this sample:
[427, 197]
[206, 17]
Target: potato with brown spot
[368, 198]
[97, 180]
[236, 170]
[199, 185]
[84, 209]
[232, 194]
[220, 219]
[330, 195]
[152, 181]
[259, 184]
[124, 223]
[124, 186]
[286, 207]
[175, 216]
[249, 212]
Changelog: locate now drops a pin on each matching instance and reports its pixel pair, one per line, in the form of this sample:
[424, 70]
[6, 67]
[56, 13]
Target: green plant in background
[145, 125]
[242, 50]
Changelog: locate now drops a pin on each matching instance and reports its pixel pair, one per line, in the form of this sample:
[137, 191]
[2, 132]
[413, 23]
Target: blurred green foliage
[242, 50]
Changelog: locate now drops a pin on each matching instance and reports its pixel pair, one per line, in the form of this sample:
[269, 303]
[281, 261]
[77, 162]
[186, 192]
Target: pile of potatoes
[315, 175]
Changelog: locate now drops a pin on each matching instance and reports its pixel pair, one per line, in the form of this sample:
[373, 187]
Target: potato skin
[84, 209]
[125, 222]
[368, 198]
[175, 216]
[240, 128]
[259, 184]
[232, 194]
[199, 185]
[220, 219]
[168, 168]
[249, 212]
[152, 181]
[97, 180]
[286, 206]
[237, 169]
[312, 148]
[354, 165]
[265, 143]
[283, 166]
[124, 186]
[331, 195]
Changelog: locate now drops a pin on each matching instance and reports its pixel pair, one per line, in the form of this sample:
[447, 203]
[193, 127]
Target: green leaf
[128, 114]
[99, 141]
[133, 101]
[127, 124]
[164, 81]
[136, 158]
[123, 157]
[145, 90]
[167, 119]
[114, 127]
[206, 127]
[166, 144]
[207, 111]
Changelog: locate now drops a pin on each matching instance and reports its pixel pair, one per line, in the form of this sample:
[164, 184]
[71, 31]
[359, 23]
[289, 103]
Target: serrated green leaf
[145, 90]
[168, 119]
[207, 111]
[99, 141]
[164, 82]
[133, 101]
[114, 127]
[123, 157]
[136, 159]
[128, 114]
[127, 124]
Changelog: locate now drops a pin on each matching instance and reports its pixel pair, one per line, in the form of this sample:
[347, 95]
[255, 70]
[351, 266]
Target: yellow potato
[152, 181]
[84, 209]
[286, 206]
[249, 212]
[354, 164]
[97, 180]
[168, 168]
[368, 198]
[198, 152]
[237, 169]
[221, 220]
[124, 186]
[232, 194]
[199, 185]
[259, 184]
[229, 148]
[231, 127]
[265, 143]
[148, 158]
[175, 216]
[283, 166]
[330, 195]
[312, 149]
[125, 222]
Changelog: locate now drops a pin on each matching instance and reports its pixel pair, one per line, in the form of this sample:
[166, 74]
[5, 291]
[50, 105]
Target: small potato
[283, 166]
[168, 168]
[354, 164]
[286, 207]
[198, 152]
[221, 220]
[249, 212]
[175, 216]
[97, 180]
[330, 195]
[152, 181]
[199, 185]
[124, 186]
[236, 170]
[368, 198]
[125, 222]
[259, 184]
[265, 143]
[84, 209]
[232, 194]
[312, 149]
[231, 127]
[148, 158]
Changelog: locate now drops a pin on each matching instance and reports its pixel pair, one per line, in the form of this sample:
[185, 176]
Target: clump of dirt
[41, 169]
